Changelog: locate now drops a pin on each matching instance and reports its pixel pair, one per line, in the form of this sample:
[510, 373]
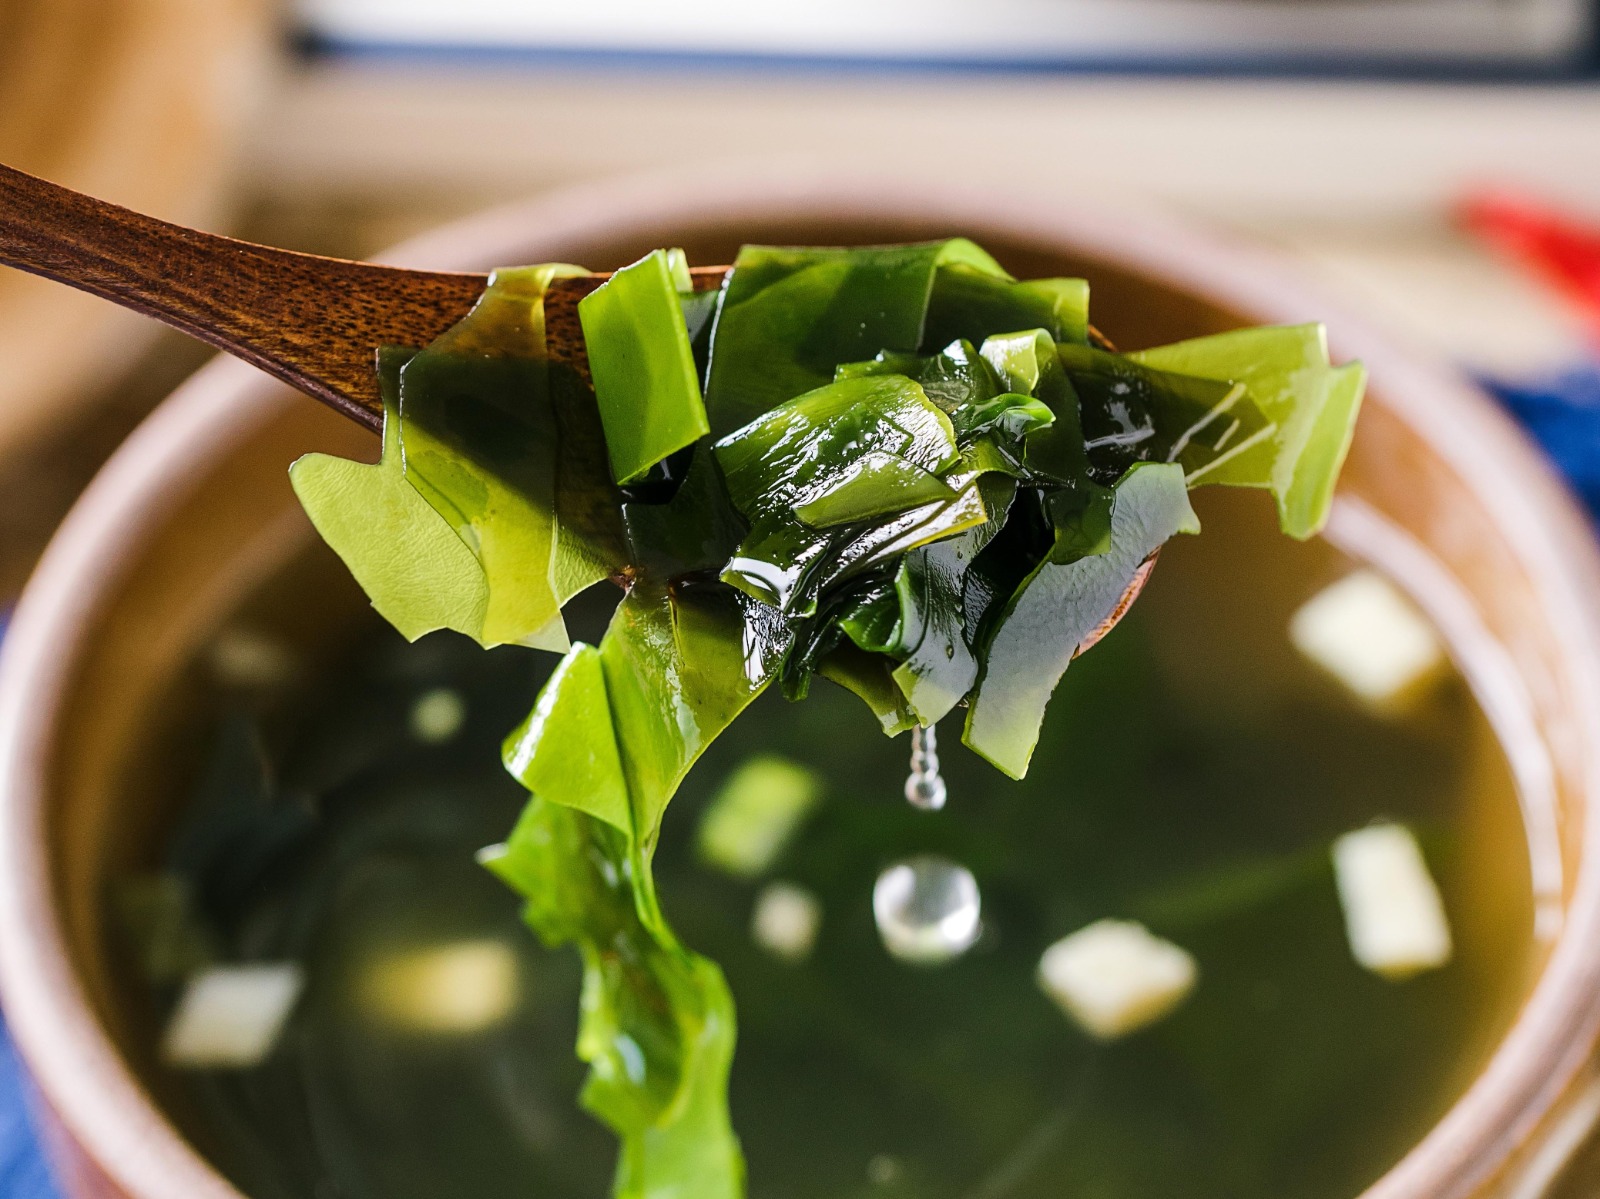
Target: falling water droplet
[927, 909]
[925, 787]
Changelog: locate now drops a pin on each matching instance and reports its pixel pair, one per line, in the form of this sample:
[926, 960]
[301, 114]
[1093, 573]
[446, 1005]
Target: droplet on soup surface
[230, 1017]
[1370, 637]
[927, 909]
[458, 988]
[1115, 977]
[1393, 914]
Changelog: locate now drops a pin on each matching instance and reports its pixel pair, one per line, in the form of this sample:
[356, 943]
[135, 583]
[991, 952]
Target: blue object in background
[22, 1170]
[1562, 413]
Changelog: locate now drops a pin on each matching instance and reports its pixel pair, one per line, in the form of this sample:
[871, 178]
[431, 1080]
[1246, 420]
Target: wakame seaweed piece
[847, 451]
[1135, 413]
[673, 669]
[955, 378]
[1312, 405]
[789, 316]
[694, 532]
[482, 431]
[870, 677]
[418, 574]
[938, 665]
[818, 474]
[567, 746]
[679, 667]
[809, 639]
[645, 380]
[1027, 363]
[1080, 520]
[975, 300]
[965, 388]
[1024, 539]
[591, 538]
[657, 1025]
[610, 739]
[792, 567]
[1058, 606]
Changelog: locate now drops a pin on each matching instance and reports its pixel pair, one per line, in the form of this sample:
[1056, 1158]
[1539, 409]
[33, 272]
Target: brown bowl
[1441, 491]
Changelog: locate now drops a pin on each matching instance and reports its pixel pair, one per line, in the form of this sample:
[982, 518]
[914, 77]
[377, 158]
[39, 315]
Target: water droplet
[927, 909]
[925, 787]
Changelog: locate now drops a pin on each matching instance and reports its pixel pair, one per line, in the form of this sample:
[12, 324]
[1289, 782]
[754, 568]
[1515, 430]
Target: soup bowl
[1441, 492]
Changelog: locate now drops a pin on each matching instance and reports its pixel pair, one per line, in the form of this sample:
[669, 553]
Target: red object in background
[1561, 250]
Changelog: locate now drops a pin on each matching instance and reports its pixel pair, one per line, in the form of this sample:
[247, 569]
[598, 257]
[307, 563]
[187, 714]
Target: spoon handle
[313, 322]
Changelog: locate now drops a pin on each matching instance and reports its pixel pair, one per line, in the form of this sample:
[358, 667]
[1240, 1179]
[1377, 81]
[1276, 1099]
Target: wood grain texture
[314, 322]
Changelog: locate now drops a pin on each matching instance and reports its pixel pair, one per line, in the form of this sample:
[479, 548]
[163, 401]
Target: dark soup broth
[1193, 773]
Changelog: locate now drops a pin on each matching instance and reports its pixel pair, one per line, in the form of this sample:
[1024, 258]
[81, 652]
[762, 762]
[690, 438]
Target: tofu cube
[230, 1017]
[1369, 636]
[786, 920]
[1393, 915]
[451, 989]
[1115, 977]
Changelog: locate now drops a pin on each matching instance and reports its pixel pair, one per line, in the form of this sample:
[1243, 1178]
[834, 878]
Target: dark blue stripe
[1585, 67]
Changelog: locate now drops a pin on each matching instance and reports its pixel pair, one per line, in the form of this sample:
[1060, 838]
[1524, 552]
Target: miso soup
[1193, 772]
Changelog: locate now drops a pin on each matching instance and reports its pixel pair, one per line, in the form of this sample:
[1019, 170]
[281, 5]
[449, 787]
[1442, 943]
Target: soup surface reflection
[1192, 773]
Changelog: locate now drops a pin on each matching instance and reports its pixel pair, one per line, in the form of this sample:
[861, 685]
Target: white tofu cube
[230, 1017]
[1392, 911]
[1115, 977]
[1368, 636]
[786, 920]
[251, 661]
[457, 988]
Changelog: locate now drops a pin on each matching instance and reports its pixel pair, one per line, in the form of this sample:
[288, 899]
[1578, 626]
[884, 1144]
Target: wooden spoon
[314, 322]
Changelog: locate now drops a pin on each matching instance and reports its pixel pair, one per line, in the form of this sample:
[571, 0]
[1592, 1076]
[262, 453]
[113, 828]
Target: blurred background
[1434, 163]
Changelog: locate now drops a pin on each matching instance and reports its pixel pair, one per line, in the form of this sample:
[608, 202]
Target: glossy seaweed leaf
[976, 300]
[1312, 405]
[612, 735]
[419, 575]
[657, 1024]
[501, 446]
[789, 316]
[1134, 413]
[937, 661]
[1058, 606]
[646, 384]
